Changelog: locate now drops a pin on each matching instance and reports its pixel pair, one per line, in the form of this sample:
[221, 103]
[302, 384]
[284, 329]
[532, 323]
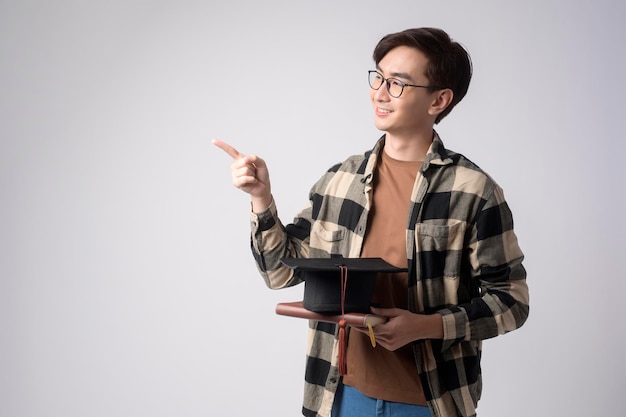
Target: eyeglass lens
[394, 87]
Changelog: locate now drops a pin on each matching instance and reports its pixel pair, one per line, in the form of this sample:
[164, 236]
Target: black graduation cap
[323, 282]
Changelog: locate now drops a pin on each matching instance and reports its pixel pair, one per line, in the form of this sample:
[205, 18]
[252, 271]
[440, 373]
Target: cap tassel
[343, 367]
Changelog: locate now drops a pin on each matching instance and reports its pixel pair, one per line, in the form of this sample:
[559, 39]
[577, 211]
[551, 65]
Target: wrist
[261, 203]
[435, 327]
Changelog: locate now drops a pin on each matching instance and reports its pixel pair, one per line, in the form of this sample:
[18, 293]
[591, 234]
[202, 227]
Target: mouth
[383, 112]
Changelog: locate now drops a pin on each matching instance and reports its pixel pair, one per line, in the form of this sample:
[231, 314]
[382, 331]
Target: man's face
[408, 114]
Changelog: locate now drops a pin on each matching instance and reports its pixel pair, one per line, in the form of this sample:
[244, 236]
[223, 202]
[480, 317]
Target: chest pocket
[327, 239]
[439, 253]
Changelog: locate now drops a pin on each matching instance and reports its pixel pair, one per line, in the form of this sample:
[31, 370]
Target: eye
[396, 83]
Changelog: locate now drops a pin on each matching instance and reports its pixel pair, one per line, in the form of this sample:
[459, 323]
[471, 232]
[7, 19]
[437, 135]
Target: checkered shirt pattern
[464, 263]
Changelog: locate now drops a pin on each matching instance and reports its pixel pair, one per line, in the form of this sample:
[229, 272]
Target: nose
[382, 94]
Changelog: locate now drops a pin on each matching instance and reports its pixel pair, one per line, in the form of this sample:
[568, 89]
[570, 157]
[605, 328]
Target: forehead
[404, 61]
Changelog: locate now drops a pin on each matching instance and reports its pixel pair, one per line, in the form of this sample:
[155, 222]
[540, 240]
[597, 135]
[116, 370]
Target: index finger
[234, 153]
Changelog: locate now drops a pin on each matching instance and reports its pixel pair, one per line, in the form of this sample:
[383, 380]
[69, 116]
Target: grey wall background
[126, 283]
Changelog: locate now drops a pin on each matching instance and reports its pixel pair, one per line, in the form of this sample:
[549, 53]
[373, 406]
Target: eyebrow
[398, 74]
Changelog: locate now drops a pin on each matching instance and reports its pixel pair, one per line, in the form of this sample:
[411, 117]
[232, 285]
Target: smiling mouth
[383, 111]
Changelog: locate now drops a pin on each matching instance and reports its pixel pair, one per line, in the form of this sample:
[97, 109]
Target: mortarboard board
[324, 287]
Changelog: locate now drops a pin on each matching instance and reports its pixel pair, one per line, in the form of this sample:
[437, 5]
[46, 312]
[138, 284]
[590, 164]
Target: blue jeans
[349, 402]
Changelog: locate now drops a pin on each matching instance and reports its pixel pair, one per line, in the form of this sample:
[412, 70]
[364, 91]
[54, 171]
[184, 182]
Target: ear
[441, 100]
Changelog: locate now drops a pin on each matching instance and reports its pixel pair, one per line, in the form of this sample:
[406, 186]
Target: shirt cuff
[265, 219]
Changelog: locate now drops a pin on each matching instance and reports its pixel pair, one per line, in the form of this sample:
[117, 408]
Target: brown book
[295, 309]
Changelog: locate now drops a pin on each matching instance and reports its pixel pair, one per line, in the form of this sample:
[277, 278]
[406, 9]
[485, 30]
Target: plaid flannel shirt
[464, 263]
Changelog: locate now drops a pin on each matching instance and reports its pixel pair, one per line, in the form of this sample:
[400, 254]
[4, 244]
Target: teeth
[383, 110]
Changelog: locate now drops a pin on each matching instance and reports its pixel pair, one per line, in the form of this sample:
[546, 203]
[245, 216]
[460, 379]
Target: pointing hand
[249, 174]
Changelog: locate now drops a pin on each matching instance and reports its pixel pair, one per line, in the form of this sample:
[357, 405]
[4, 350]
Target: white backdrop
[126, 283]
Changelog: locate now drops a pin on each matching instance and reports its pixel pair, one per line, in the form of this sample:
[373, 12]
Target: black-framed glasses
[395, 87]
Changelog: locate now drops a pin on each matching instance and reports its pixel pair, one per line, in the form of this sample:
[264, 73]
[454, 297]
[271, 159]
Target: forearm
[261, 203]
[432, 325]
[502, 307]
[270, 242]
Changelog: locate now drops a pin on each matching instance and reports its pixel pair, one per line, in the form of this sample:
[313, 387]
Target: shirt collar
[437, 155]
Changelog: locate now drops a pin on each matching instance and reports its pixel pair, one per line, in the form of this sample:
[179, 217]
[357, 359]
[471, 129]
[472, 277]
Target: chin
[381, 126]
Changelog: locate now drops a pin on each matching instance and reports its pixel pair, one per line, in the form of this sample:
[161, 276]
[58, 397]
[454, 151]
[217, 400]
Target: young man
[419, 206]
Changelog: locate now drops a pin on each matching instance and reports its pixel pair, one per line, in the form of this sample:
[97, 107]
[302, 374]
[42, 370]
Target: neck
[413, 148]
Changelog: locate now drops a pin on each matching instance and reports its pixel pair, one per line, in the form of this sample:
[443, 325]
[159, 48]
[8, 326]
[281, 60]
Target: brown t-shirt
[376, 371]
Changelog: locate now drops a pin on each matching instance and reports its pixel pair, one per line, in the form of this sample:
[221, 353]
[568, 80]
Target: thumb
[385, 312]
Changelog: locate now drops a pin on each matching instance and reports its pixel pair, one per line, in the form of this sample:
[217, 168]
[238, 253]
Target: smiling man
[421, 207]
